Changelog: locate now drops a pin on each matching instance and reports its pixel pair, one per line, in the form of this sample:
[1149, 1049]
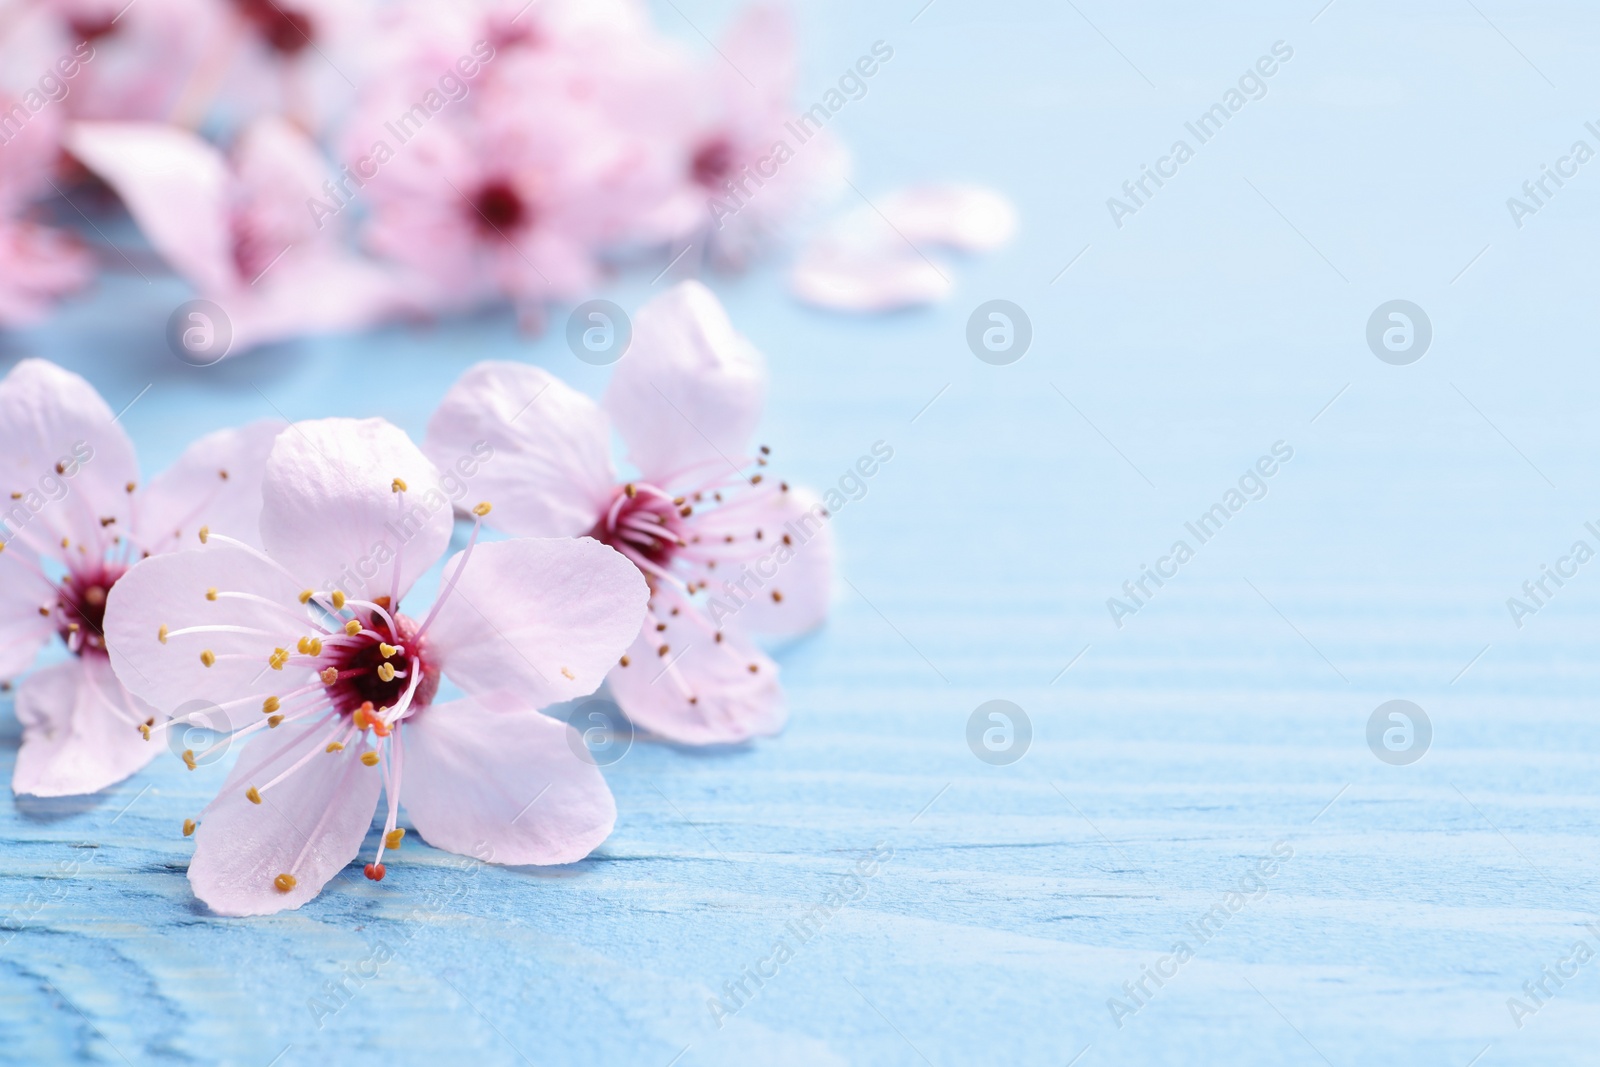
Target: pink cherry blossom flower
[73, 519]
[38, 264]
[307, 636]
[115, 60]
[700, 518]
[241, 230]
[491, 152]
[748, 168]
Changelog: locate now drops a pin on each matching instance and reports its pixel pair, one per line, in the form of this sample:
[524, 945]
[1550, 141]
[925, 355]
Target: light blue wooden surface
[1227, 715]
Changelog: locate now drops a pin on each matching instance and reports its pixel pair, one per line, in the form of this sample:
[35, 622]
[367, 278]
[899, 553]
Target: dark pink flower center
[643, 523]
[284, 29]
[368, 676]
[499, 209]
[80, 612]
[712, 162]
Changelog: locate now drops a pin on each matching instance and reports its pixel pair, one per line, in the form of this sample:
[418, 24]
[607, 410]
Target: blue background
[1230, 713]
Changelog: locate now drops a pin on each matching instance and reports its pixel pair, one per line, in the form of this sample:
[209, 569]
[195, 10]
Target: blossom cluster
[321, 165]
[263, 585]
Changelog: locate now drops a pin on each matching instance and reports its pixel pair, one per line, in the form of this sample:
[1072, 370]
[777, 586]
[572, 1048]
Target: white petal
[535, 448]
[170, 590]
[64, 463]
[215, 483]
[309, 826]
[505, 785]
[331, 516]
[690, 389]
[544, 618]
[79, 732]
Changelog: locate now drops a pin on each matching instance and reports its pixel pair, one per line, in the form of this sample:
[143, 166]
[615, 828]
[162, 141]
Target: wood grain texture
[1168, 755]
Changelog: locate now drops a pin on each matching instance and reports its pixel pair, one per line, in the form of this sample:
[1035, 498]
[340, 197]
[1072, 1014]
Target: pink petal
[52, 418]
[313, 290]
[506, 785]
[690, 389]
[799, 572]
[170, 590]
[965, 217]
[854, 272]
[309, 825]
[38, 265]
[175, 185]
[730, 703]
[79, 730]
[23, 631]
[215, 483]
[331, 516]
[760, 44]
[543, 618]
[535, 448]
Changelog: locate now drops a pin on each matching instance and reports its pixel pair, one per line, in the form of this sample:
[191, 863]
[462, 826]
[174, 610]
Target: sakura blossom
[750, 168]
[726, 551]
[309, 636]
[238, 228]
[39, 263]
[75, 518]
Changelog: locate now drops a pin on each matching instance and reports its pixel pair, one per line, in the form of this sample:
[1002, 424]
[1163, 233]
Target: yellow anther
[398, 485]
[253, 795]
[188, 827]
[369, 758]
[161, 634]
[630, 490]
[273, 721]
[279, 658]
[303, 645]
[144, 731]
[392, 839]
[481, 510]
[205, 534]
[568, 675]
[360, 717]
[624, 661]
[314, 648]
[386, 672]
[334, 746]
[188, 758]
[352, 628]
[270, 705]
[211, 594]
[72, 628]
[338, 600]
[208, 657]
[131, 486]
[306, 595]
[285, 883]
[329, 676]
[386, 650]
